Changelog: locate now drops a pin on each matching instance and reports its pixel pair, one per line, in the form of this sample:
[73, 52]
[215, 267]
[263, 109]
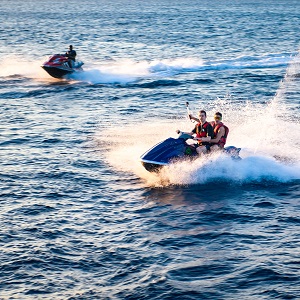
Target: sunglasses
[217, 117]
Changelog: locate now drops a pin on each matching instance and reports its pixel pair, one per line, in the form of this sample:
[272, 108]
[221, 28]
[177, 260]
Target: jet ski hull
[57, 72]
[165, 152]
[170, 150]
[152, 166]
[57, 66]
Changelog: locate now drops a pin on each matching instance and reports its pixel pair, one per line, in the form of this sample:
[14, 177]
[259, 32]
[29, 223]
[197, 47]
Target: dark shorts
[207, 146]
[219, 146]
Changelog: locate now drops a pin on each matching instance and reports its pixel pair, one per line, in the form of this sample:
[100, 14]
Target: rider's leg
[202, 150]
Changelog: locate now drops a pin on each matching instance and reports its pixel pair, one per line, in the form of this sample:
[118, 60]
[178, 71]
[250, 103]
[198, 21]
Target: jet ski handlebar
[184, 135]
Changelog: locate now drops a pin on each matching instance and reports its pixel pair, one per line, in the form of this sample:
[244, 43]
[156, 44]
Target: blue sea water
[81, 218]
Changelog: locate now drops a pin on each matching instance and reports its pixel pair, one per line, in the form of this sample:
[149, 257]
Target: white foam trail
[196, 64]
[127, 70]
[122, 71]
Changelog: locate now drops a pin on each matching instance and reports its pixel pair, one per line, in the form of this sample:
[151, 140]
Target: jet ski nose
[151, 167]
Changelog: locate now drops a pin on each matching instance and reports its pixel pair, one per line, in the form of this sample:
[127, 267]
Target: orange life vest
[216, 128]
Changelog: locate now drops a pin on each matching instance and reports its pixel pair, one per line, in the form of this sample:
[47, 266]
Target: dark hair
[203, 112]
[218, 114]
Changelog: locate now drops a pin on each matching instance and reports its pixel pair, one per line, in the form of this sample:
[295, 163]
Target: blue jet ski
[171, 150]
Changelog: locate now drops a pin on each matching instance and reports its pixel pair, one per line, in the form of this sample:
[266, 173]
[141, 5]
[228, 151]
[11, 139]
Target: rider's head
[202, 116]
[71, 47]
[218, 116]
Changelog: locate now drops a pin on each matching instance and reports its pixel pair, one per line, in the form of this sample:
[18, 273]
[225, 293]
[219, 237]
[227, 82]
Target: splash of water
[263, 131]
[218, 167]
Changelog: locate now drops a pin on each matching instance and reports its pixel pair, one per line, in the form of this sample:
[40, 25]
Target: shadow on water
[192, 194]
[214, 194]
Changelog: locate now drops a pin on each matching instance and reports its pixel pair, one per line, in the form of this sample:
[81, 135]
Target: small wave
[13, 95]
[264, 204]
[267, 274]
[200, 272]
[158, 83]
[35, 209]
[16, 141]
[203, 81]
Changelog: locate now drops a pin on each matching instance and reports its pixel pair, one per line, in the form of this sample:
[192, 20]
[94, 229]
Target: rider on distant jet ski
[71, 54]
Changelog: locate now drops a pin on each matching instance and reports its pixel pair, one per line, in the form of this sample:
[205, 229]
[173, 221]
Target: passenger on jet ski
[220, 133]
[71, 54]
[204, 133]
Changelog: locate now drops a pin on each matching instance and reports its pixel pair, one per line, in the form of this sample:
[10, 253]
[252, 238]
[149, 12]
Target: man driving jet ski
[71, 54]
[204, 133]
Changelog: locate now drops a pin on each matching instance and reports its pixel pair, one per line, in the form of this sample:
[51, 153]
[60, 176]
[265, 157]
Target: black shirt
[71, 54]
[208, 129]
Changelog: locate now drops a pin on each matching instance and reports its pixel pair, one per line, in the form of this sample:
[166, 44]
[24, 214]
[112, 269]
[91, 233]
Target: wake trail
[127, 70]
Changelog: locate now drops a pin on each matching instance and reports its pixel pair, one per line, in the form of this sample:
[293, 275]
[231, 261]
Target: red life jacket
[216, 127]
[201, 131]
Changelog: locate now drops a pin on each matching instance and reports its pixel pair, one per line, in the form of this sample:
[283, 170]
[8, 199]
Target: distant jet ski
[57, 66]
[172, 150]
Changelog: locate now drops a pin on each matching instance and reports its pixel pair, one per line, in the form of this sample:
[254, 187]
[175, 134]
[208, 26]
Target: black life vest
[216, 128]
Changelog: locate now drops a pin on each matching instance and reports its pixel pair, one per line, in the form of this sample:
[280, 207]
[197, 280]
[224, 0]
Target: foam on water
[127, 70]
[108, 72]
[196, 65]
[255, 166]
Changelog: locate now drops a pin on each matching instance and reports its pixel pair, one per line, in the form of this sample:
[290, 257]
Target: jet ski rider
[71, 54]
[204, 133]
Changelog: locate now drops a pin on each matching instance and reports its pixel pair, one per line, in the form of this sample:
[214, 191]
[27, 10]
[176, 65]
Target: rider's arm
[194, 118]
[190, 133]
[221, 132]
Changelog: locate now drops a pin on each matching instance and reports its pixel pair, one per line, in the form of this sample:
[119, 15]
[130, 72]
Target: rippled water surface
[81, 218]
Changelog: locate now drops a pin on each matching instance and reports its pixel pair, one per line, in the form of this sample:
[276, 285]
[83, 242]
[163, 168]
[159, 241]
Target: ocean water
[81, 218]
